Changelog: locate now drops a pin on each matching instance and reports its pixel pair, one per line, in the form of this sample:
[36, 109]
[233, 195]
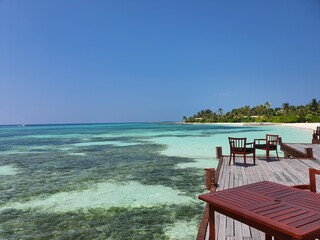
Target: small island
[261, 113]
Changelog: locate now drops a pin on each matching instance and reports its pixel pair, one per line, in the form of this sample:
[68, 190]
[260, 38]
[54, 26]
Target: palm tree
[313, 106]
[267, 105]
[286, 107]
[268, 109]
[184, 119]
[220, 114]
[247, 111]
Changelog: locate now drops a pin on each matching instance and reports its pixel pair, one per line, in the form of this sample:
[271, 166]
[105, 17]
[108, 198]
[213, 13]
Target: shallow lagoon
[111, 181]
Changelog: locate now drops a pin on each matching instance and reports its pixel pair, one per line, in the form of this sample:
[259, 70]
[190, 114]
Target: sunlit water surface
[111, 181]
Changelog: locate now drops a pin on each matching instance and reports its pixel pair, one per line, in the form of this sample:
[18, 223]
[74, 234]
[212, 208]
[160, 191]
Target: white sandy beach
[309, 126]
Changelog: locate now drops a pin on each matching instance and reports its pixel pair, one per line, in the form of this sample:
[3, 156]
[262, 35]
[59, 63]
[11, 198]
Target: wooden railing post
[219, 152]
[309, 152]
[210, 181]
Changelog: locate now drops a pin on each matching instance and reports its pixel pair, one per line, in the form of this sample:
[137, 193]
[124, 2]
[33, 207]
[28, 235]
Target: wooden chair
[239, 146]
[316, 136]
[312, 178]
[270, 143]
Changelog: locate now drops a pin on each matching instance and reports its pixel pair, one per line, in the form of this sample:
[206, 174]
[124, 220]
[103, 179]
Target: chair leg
[234, 158]
[245, 160]
[268, 155]
[230, 159]
[254, 158]
[277, 155]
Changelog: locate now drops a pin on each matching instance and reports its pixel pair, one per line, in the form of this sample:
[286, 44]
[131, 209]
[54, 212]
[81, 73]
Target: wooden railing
[211, 177]
[293, 152]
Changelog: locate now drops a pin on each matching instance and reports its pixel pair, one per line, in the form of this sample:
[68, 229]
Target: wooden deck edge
[219, 168]
[202, 232]
[203, 224]
[295, 153]
[315, 141]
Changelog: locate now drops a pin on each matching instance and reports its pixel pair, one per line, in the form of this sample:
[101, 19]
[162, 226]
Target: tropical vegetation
[261, 113]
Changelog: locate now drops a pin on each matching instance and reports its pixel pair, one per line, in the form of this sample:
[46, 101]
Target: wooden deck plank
[237, 230]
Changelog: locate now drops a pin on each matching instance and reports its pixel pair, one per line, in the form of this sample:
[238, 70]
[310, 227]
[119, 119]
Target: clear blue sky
[67, 61]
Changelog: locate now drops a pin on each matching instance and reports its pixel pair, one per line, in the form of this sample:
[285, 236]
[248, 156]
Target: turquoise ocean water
[111, 181]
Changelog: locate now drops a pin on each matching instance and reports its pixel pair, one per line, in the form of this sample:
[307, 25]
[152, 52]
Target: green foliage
[261, 113]
[285, 119]
[312, 118]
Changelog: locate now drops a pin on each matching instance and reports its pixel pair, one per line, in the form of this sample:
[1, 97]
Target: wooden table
[280, 211]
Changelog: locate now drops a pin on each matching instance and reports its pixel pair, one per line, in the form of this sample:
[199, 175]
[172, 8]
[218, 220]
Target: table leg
[212, 223]
[268, 237]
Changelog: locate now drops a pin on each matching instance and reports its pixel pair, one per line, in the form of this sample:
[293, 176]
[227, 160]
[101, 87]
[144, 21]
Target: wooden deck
[286, 171]
[301, 150]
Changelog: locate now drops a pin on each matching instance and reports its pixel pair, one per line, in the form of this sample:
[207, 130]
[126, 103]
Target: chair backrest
[312, 175]
[237, 143]
[272, 139]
